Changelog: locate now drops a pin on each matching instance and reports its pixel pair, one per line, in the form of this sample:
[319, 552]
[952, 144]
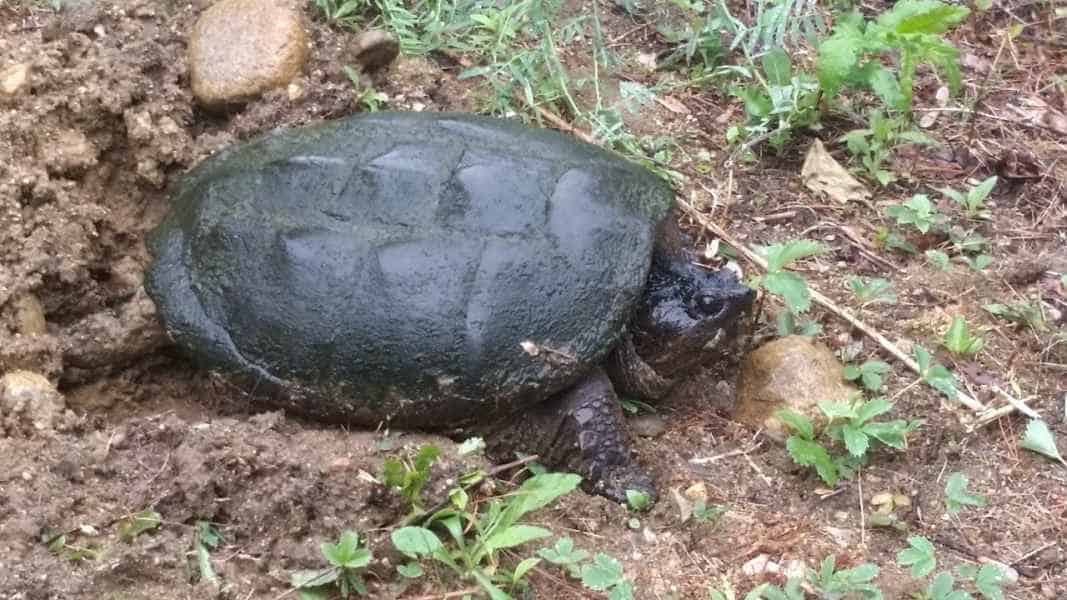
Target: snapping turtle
[440, 271]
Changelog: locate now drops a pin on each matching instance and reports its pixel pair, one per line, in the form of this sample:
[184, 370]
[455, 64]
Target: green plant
[977, 263]
[873, 145]
[707, 514]
[638, 501]
[803, 448]
[565, 555]
[869, 374]
[943, 588]
[973, 202]
[911, 30]
[346, 559]
[1027, 314]
[368, 98]
[779, 101]
[872, 291]
[987, 579]
[604, 574]
[935, 374]
[205, 539]
[142, 522]
[60, 545]
[939, 259]
[957, 496]
[1038, 438]
[833, 584]
[409, 477]
[919, 556]
[341, 11]
[917, 212]
[960, 341]
[789, 286]
[495, 528]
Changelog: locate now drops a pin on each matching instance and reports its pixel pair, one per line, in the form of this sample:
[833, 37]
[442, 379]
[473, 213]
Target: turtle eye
[709, 304]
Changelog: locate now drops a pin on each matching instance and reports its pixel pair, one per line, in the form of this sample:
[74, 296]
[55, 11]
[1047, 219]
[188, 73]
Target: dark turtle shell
[421, 268]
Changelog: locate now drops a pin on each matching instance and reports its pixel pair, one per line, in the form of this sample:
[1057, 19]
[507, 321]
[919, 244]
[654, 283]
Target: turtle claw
[615, 481]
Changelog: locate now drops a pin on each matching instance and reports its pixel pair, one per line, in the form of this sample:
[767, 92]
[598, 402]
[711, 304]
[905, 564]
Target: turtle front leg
[581, 430]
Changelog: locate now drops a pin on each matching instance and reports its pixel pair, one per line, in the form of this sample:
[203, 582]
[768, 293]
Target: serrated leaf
[873, 408]
[922, 16]
[1038, 438]
[988, 582]
[310, 578]
[956, 494]
[891, 433]
[777, 67]
[871, 373]
[856, 441]
[920, 557]
[939, 259]
[797, 422]
[602, 573]
[810, 454]
[791, 287]
[837, 58]
[958, 339]
[837, 410]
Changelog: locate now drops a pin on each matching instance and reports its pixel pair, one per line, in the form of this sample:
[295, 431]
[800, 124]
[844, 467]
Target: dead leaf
[930, 117]
[1036, 111]
[821, 173]
[673, 104]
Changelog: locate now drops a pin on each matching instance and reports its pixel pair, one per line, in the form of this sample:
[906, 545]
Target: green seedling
[852, 56]
[205, 539]
[943, 588]
[565, 555]
[705, 514]
[803, 448]
[344, 12]
[884, 238]
[847, 583]
[368, 98]
[142, 522]
[918, 212]
[1027, 314]
[869, 374]
[978, 263]
[408, 478]
[920, 557]
[874, 145]
[346, 559]
[778, 103]
[872, 291]
[957, 496]
[973, 202]
[478, 538]
[935, 374]
[788, 285]
[853, 425]
[959, 340]
[939, 259]
[60, 545]
[638, 501]
[604, 574]
[987, 579]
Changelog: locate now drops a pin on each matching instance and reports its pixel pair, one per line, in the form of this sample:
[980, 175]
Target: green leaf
[637, 500]
[980, 192]
[624, 590]
[142, 522]
[411, 570]
[922, 16]
[797, 422]
[777, 67]
[873, 408]
[884, 84]
[791, 287]
[565, 555]
[892, 433]
[938, 259]
[809, 454]
[837, 58]
[856, 441]
[311, 578]
[1038, 438]
[837, 410]
[871, 373]
[872, 291]
[523, 567]
[956, 494]
[920, 557]
[852, 372]
[959, 341]
[988, 582]
[416, 541]
[516, 535]
[780, 256]
[601, 574]
[495, 593]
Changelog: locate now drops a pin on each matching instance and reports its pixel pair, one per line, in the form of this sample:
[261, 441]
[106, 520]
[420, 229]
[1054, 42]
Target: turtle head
[688, 316]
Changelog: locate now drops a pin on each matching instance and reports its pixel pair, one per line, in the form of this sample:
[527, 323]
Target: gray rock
[649, 426]
[241, 48]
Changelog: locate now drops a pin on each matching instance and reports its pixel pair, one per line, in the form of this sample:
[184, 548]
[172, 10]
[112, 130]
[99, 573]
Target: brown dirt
[87, 153]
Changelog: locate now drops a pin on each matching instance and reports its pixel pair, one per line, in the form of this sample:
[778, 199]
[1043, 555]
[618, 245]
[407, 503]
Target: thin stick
[825, 302]
[459, 594]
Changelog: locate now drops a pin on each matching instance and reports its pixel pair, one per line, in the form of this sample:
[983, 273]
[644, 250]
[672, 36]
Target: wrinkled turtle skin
[430, 270]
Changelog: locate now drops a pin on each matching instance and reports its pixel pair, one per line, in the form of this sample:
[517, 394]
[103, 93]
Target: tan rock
[29, 316]
[68, 152]
[14, 79]
[239, 49]
[792, 372]
[28, 403]
[376, 49]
